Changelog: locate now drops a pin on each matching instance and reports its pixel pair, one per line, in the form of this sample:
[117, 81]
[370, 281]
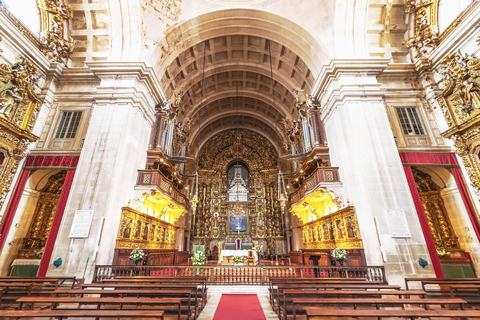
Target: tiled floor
[215, 292]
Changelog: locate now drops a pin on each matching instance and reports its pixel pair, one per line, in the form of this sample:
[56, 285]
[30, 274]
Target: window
[68, 124]
[410, 121]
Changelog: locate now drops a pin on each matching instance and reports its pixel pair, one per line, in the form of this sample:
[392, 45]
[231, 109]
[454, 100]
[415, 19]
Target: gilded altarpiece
[440, 226]
[460, 103]
[336, 230]
[19, 108]
[264, 214]
[140, 230]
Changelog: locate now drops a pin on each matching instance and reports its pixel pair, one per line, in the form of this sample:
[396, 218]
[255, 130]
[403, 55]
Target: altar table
[233, 253]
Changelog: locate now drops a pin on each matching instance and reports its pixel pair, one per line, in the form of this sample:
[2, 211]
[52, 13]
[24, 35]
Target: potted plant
[238, 260]
[339, 255]
[199, 258]
[136, 255]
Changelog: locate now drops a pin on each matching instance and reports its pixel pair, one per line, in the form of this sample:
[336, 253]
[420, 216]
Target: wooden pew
[278, 293]
[163, 304]
[67, 282]
[197, 293]
[201, 281]
[468, 292]
[301, 303]
[184, 294]
[12, 291]
[321, 313]
[440, 281]
[82, 313]
[313, 281]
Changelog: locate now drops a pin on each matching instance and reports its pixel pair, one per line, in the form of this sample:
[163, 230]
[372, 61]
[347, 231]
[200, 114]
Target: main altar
[236, 253]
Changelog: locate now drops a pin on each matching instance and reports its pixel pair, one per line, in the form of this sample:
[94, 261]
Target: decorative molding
[426, 35]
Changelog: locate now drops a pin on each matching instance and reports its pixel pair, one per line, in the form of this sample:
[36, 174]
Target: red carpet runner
[239, 307]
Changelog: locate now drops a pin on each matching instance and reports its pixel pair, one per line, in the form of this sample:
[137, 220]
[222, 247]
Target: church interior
[254, 147]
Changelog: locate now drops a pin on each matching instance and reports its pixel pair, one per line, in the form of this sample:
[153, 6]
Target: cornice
[138, 70]
[337, 67]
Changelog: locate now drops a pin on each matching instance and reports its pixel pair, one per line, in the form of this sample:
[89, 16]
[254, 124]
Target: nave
[190, 298]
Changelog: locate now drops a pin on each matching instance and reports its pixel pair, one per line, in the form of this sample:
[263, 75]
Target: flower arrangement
[137, 255]
[258, 248]
[199, 258]
[339, 254]
[238, 259]
[442, 253]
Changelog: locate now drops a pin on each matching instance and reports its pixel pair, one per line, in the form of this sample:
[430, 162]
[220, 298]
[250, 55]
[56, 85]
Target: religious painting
[151, 236]
[145, 231]
[238, 220]
[339, 227]
[280, 247]
[126, 229]
[350, 227]
[138, 229]
[325, 232]
[330, 230]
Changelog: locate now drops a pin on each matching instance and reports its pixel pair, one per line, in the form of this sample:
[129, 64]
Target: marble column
[363, 147]
[114, 149]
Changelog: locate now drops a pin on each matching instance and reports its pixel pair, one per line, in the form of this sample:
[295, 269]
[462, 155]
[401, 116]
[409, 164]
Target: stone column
[114, 149]
[362, 146]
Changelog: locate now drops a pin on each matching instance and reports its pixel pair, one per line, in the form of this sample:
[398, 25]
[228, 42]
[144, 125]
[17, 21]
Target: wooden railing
[242, 274]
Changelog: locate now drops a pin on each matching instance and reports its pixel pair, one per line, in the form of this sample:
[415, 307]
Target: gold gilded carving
[171, 107]
[440, 226]
[460, 103]
[19, 107]
[293, 130]
[52, 38]
[337, 230]
[140, 230]
[426, 35]
[42, 220]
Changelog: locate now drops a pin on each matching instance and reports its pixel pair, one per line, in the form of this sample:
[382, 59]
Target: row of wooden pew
[180, 298]
[322, 298]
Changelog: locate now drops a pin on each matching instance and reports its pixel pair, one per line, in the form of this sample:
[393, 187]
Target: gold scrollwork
[19, 108]
[337, 230]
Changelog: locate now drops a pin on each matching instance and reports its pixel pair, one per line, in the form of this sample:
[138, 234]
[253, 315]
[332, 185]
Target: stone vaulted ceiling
[237, 85]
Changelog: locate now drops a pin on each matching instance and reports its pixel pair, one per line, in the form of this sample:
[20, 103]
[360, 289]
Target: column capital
[352, 79]
[127, 82]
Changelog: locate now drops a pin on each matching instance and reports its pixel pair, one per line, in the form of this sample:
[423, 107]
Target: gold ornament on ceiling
[54, 44]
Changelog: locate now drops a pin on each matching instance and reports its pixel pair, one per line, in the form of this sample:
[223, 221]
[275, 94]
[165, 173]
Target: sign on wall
[81, 224]
[398, 224]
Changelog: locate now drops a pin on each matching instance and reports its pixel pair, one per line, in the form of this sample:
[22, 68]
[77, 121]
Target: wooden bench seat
[321, 313]
[82, 313]
[468, 292]
[164, 304]
[299, 305]
[184, 294]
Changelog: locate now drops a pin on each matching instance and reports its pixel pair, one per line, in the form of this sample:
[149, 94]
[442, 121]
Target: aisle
[239, 307]
[215, 294]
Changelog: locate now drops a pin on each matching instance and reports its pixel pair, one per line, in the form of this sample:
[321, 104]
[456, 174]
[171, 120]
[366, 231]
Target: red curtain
[42, 270]
[12, 207]
[432, 250]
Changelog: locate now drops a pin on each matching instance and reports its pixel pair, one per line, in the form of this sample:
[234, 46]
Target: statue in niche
[9, 100]
[472, 93]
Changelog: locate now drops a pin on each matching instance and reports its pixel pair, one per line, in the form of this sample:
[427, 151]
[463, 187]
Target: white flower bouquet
[137, 255]
[339, 254]
[199, 258]
[238, 259]
[258, 248]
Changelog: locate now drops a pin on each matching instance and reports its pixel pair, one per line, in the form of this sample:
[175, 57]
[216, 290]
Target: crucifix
[238, 229]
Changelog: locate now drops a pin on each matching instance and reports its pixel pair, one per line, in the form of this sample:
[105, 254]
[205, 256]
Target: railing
[258, 275]
[320, 175]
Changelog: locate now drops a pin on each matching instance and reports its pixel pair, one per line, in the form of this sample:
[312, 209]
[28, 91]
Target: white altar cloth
[233, 253]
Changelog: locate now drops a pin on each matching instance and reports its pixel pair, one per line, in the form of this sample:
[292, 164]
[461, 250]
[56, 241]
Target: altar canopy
[238, 253]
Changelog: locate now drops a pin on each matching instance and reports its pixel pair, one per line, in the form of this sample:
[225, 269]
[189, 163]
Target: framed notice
[398, 224]
[81, 224]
